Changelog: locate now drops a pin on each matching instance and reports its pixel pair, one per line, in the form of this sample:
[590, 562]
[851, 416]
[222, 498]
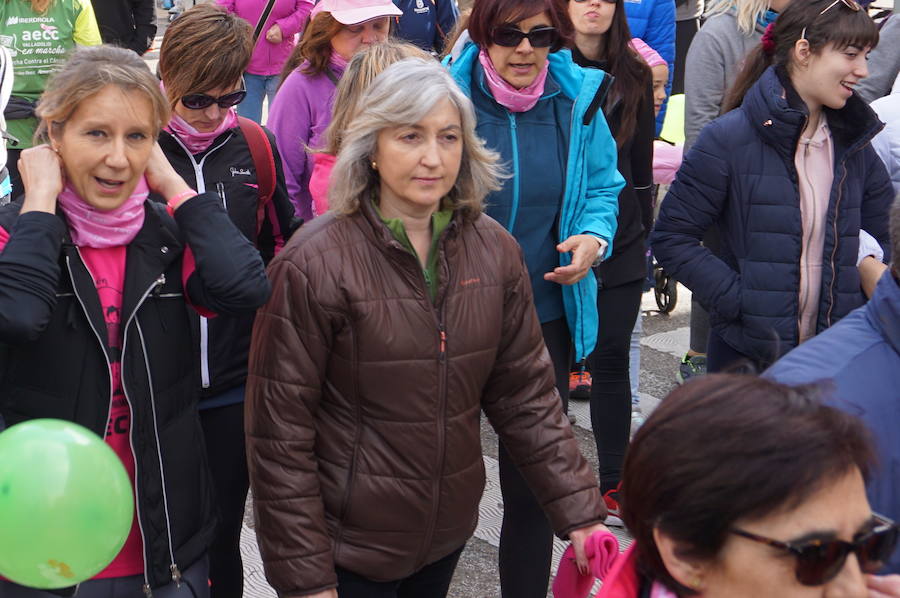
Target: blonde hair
[87, 71]
[747, 12]
[361, 71]
[403, 95]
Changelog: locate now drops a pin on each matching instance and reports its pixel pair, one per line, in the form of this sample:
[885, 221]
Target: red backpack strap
[263, 163]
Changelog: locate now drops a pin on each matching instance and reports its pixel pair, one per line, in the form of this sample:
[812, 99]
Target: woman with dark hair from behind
[792, 183]
[743, 488]
[602, 41]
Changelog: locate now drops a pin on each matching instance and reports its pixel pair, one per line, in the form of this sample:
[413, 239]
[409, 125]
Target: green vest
[39, 44]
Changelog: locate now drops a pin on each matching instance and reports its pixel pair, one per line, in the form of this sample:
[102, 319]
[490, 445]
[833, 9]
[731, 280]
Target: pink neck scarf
[90, 227]
[338, 61]
[514, 100]
[660, 591]
[193, 139]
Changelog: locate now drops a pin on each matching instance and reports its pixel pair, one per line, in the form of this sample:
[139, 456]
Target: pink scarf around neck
[90, 227]
[338, 61]
[195, 140]
[514, 100]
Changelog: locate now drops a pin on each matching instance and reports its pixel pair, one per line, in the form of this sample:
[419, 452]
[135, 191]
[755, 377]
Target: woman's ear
[801, 52]
[686, 571]
[54, 134]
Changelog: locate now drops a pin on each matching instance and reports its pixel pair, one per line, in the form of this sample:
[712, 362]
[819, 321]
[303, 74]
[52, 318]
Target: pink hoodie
[289, 15]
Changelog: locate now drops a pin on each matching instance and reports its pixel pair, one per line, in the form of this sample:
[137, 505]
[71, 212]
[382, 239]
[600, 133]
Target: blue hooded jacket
[740, 176]
[582, 200]
[654, 22]
[860, 355]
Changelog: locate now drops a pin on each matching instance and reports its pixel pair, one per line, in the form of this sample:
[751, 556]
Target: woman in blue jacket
[542, 113]
[790, 180]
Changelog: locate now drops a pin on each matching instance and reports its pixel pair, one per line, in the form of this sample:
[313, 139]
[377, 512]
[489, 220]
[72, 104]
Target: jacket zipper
[804, 293]
[514, 210]
[837, 205]
[176, 574]
[220, 188]
[137, 504]
[201, 188]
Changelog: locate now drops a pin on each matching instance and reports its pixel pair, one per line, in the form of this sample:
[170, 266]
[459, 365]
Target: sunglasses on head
[819, 561]
[510, 37]
[851, 4]
[199, 101]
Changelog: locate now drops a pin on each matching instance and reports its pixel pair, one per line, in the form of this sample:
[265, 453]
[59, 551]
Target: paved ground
[664, 342]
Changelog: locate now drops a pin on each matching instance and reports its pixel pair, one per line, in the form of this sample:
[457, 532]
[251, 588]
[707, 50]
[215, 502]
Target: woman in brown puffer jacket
[394, 320]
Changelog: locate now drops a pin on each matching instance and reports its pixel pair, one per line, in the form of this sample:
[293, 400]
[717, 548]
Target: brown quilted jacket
[364, 400]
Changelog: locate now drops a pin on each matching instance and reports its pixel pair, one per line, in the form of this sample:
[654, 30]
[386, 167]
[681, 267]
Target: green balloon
[66, 505]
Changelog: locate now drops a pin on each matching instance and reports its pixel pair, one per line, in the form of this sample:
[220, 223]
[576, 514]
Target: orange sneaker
[580, 385]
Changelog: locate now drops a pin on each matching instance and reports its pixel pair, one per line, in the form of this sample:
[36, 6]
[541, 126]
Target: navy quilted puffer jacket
[740, 176]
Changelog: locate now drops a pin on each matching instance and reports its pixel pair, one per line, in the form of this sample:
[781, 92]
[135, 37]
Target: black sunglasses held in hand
[819, 561]
[199, 101]
[510, 37]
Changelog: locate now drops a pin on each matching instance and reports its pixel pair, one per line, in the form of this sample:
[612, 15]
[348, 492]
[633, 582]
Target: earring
[696, 583]
[374, 165]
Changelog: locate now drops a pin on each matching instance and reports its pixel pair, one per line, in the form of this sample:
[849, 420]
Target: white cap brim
[355, 16]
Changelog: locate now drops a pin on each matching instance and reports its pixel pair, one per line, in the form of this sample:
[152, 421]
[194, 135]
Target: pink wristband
[179, 199]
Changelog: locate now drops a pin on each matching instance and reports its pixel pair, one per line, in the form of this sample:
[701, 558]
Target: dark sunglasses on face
[199, 101]
[510, 37]
[819, 561]
[606, 1]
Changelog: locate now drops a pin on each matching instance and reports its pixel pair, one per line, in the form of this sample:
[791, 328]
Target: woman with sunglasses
[208, 144]
[337, 30]
[96, 282]
[602, 41]
[791, 181]
[542, 114]
[745, 488]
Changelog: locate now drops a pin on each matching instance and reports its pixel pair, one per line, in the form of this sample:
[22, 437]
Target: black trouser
[223, 429]
[617, 308]
[431, 581]
[722, 357]
[684, 35]
[526, 538]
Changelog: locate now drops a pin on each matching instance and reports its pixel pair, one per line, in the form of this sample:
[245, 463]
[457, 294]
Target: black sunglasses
[510, 37]
[199, 101]
[819, 561]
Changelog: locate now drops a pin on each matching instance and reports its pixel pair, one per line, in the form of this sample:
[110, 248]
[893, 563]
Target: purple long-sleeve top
[289, 15]
[298, 117]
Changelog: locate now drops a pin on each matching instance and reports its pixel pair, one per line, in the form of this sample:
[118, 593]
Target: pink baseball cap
[650, 56]
[353, 12]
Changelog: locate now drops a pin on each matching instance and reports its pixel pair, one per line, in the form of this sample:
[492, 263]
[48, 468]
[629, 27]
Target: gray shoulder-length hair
[403, 94]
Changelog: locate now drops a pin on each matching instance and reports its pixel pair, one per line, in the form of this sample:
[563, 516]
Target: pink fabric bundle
[514, 100]
[601, 550]
[650, 56]
[90, 227]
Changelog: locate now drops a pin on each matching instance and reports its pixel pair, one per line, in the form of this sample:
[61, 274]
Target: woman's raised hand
[584, 251]
[161, 177]
[42, 176]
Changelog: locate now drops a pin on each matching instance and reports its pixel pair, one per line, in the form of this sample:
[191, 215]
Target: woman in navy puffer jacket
[790, 179]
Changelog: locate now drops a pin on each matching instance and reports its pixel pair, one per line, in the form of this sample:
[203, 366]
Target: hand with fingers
[883, 586]
[43, 177]
[584, 250]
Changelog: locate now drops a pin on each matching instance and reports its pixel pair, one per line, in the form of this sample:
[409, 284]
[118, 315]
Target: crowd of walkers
[447, 215]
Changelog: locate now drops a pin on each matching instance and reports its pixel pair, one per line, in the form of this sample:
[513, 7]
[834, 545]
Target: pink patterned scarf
[338, 61]
[514, 100]
[90, 227]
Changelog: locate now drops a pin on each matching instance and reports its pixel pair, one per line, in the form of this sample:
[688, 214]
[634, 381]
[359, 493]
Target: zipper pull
[221, 190]
[147, 591]
[443, 351]
[176, 575]
[159, 285]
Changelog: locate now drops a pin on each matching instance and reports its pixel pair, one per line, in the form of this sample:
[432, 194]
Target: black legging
[526, 538]
[617, 308]
[223, 429]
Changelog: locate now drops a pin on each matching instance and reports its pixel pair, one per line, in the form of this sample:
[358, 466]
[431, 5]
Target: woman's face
[830, 76]
[105, 145]
[353, 38]
[750, 569]
[592, 17]
[418, 164]
[207, 119]
[660, 78]
[521, 65]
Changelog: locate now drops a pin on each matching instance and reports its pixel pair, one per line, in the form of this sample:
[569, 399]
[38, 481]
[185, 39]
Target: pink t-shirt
[107, 267]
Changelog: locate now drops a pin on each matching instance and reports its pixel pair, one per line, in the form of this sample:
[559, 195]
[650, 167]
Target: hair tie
[768, 40]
